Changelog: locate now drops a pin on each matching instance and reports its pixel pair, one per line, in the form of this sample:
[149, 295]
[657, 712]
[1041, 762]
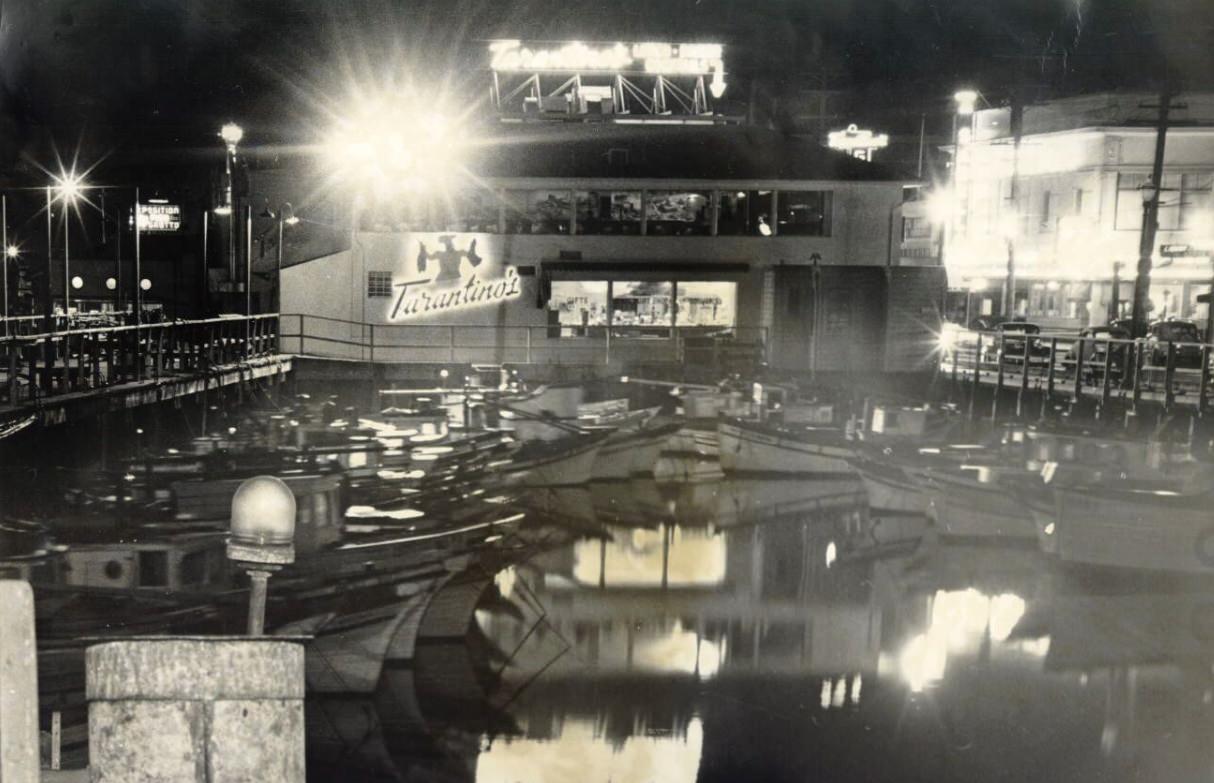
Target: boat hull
[889, 488]
[752, 448]
[966, 508]
[626, 454]
[1112, 529]
[562, 464]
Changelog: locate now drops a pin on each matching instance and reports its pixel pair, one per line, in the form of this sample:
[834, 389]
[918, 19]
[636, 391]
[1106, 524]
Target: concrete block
[233, 759]
[19, 745]
[147, 741]
[197, 709]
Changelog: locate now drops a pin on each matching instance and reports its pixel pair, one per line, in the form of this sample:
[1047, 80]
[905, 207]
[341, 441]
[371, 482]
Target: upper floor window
[678, 213]
[538, 211]
[805, 213]
[745, 213]
[608, 212]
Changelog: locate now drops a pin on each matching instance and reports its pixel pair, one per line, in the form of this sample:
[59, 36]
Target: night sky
[121, 76]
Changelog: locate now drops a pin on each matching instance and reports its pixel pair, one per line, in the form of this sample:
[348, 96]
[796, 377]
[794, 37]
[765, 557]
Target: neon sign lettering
[448, 288]
[656, 58]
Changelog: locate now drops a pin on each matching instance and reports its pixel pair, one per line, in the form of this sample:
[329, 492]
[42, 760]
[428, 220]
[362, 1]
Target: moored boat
[540, 463]
[761, 447]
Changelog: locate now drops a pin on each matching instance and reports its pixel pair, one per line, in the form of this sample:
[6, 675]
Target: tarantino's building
[597, 233]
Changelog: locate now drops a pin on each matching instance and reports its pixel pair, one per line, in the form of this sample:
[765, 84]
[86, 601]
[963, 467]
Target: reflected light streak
[581, 753]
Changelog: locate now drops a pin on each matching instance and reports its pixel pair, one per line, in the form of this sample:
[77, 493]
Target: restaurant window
[1129, 202]
[745, 213]
[706, 304]
[537, 212]
[642, 309]
[578, 306]
[678, 213]
[608, 212]
[805, 212]
[478, 212]
[1047, 212]
[379, 285]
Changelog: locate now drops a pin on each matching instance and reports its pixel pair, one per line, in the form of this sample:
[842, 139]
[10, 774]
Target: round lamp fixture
[231, 133]
[263, 512]
[145, 284]
[77, 282]
[111, 283]
[13, 251]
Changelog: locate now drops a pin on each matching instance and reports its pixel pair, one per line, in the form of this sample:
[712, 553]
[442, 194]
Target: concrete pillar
[195, 710]
[20, 758]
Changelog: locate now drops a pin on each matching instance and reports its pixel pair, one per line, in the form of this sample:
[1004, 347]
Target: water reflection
[777, 638]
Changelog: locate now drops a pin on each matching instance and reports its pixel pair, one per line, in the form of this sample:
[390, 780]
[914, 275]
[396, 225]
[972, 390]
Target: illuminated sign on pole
[857, 143]
[159, 217]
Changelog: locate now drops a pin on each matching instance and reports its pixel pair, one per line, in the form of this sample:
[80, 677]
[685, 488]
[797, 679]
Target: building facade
[1066, 206]
[578, 245]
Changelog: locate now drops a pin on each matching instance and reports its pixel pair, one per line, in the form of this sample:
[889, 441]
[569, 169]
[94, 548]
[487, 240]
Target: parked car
[1015, 336]
[1096, 349]
[986, 323]
[1174, 330]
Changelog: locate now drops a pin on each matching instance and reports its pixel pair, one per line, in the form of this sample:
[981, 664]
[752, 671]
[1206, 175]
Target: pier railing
[40, 365]
[313, 335]
[1067, 367]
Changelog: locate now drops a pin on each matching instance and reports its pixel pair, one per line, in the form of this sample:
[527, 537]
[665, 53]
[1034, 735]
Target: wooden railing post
[977, 376]
[1078, 391]
[999, 358]
[1105, 390]
[1203, 385]
[1169, 376]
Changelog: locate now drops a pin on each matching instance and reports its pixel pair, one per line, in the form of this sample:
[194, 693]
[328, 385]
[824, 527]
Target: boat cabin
[194, 561]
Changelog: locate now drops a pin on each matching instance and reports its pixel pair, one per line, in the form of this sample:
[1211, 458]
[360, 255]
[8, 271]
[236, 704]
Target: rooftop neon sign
[668, 59]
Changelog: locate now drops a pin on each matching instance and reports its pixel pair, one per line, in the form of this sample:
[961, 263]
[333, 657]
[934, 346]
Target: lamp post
[66, 189]
[262, 538]
[10, 252]
[231, 133]
[965, 101]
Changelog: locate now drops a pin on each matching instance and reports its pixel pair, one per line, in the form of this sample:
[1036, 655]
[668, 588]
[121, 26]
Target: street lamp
[231, 133]
[262, 538]
[67, 188]
[11, 252]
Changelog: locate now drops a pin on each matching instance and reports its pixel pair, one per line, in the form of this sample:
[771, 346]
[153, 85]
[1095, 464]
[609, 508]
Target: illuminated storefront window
[579, 305]
[677, 213]
[706, 304]
[642, 309]
[608, 212]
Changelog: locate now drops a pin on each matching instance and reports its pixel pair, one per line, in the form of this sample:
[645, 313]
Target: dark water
[753, 630]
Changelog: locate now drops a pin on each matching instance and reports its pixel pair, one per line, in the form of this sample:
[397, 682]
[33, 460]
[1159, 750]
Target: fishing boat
[568, 460]
[767, 447]
[1160, 525]
[633, 451]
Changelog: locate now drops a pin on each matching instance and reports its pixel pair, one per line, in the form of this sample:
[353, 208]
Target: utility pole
[1009, 285]
[1150, 220]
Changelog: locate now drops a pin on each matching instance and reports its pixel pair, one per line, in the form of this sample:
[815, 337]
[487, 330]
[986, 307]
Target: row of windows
[636, 212]
[583, 308]
[1184, 201]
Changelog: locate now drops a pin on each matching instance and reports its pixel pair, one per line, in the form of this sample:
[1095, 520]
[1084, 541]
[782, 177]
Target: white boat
[889, 488]
[1160, 529]
[628, 453]
[750, 446]
[972, 501]
[569, 460]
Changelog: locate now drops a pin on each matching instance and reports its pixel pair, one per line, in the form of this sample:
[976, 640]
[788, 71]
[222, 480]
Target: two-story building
[1072, 220]
[596, 244]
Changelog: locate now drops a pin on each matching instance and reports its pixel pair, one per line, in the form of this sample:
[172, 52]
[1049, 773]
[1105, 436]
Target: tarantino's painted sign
[451, 275]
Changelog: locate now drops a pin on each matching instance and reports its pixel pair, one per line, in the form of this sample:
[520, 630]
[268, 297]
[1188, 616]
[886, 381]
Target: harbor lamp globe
[12, 251]
[263, 513]
[262, 538]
